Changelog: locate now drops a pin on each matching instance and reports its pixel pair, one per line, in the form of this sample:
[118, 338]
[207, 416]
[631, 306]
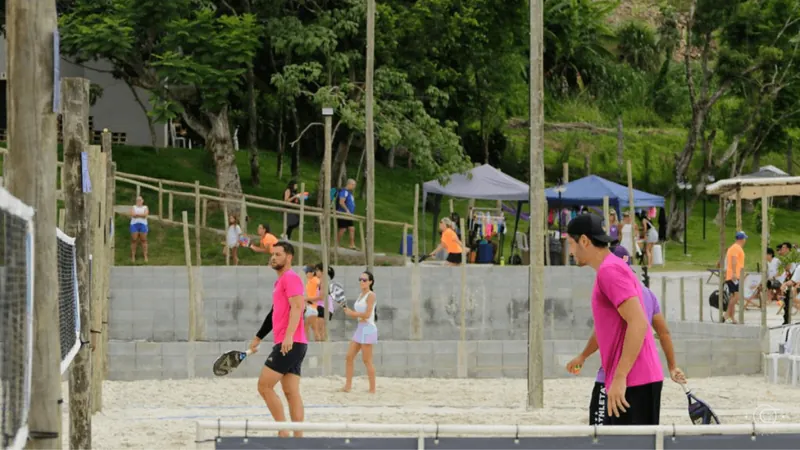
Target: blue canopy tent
[589, 191]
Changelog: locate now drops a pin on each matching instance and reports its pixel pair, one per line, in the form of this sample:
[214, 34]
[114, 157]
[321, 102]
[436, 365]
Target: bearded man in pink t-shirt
[284, 363]
[628, 351]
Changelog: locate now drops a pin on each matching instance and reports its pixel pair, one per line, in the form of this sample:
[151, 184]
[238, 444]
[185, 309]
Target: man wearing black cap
[628, 351]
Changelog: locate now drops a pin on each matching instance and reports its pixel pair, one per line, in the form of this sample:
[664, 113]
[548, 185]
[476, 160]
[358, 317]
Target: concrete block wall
[486, 359]
[151, 303]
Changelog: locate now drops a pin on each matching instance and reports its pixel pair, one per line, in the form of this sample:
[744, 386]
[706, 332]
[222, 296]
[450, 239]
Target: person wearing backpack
[366, 335]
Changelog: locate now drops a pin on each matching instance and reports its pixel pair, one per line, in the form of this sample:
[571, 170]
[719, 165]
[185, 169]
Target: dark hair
[286, 246]
[371, 279]
[594, 241]
[770, 252]
[331, 273]
[265, 225]
[290, 185]
[786, 244]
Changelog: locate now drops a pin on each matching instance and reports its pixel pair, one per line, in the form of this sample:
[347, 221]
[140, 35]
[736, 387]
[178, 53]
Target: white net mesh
[16, 317]
[68, 302]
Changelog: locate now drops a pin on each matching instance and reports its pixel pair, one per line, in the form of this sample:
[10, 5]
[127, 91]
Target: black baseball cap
[589, 225]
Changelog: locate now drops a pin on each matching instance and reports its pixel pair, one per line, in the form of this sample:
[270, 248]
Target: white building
[116, 109]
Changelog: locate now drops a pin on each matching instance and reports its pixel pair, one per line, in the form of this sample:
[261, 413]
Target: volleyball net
[16, 317]
[69, 317]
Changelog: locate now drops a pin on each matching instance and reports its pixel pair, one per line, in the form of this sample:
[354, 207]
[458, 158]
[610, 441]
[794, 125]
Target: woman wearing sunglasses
[366, 334]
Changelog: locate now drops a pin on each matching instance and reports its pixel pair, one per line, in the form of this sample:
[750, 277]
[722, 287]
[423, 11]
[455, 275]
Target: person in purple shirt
[652, 310]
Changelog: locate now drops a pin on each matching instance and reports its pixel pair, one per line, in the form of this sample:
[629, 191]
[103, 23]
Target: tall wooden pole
[111, 193]
[631, 205]
[97, 173]
[324, 231]
[721, 277]
[764, 241]
[302, 222]
[416, 300]
[536, 241]
[370, 136]
[32, 138]
[75, 124]
[462, 341]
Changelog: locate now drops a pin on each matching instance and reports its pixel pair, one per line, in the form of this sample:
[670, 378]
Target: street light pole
[705, 197]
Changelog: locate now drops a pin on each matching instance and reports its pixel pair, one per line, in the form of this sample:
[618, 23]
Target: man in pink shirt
[286, 359]
[628, 351]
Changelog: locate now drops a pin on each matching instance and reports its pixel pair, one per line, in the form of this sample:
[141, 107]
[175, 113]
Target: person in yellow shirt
[266, 240]
[450, 242]
[734, 270]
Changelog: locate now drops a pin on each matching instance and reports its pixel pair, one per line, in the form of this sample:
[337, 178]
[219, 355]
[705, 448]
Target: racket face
[227, 362]
[700, 413]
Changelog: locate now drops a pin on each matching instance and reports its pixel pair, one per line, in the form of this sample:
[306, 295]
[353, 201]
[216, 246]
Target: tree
[187, 54]
[754, 55]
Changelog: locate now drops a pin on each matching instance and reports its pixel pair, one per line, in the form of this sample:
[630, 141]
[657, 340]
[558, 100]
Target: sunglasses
[363, 280]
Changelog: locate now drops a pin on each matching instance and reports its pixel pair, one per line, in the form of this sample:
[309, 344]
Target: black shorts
[288, 363]
[344, 223]
[645, 409]
[597, 405]
[454, 258]
[321, 313]
[733, 287]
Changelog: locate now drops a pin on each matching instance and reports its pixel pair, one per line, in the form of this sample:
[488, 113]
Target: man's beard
[277, 266]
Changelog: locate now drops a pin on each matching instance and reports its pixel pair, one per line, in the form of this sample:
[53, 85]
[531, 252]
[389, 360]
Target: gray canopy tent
[483, 182]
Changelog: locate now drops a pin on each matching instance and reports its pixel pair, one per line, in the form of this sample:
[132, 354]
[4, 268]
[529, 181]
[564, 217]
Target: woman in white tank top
[139, 229]
[366, 334]
[627, 234]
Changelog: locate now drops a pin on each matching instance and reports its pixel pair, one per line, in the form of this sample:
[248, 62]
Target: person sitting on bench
[773, 284]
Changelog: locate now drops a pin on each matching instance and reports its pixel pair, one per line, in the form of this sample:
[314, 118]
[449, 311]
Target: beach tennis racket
[699, 411]
[229, 361]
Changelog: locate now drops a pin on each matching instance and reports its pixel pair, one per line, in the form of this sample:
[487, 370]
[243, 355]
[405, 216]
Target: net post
[462, 341]
[416, 304]
[683, 299]
[197, 221]
[32, 136]
[78, 211]
[700, 289]
[226, 221]
[187, 250]
[302, 222]
[108, 240]
[97, 174]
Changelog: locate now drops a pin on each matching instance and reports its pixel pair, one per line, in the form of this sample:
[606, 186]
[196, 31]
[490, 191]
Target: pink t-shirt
[614, 284]
[288, 285]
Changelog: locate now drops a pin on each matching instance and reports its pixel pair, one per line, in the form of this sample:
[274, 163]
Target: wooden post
[78, 210]
[187, 251]
[169, 198]
[334, 237]
[369, 136]
[204, 208]
[702, 300]
[138, 191]
[721, 277]
[606, 213]
[98, 173]
[416, 304]
[537, 200]
[361, 232]
[285, 223]
[630, 204]
[108, 241]
[545, 236]
[764, 241]
[565, 173]
[683, 299]
[161, 201]
[405, 246]
[462, 341]
[243, 214]
[32, 138]
[452, 206]
[302, 224]
[197, 223]
[62, 218]
[226, 222]
[739, 211]
[664, 295]
[325, 222]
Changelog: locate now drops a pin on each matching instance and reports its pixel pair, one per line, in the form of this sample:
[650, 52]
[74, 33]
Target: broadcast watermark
[769, 414]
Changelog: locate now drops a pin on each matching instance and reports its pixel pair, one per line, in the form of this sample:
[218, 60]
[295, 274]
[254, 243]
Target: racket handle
[248, 352]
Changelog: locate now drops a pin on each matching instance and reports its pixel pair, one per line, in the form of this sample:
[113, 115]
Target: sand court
[162, 414]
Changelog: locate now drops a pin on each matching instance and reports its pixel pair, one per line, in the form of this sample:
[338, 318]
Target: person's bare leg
[317, 328]
[291, 389]
[732, 307]
[266, 387]
[339, 234]
[322, 325]
[366, 355]
[352, 231]
[649, 255]
[134, 240]
[352, 351]
[235, 254]
[143, 237]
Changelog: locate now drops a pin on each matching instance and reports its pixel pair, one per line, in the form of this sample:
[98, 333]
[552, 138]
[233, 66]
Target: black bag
[713, 300]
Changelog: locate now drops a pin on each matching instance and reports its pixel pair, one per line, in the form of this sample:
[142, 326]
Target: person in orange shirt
[266, 241]
[734, 269]
[312, 291]
[450, 242]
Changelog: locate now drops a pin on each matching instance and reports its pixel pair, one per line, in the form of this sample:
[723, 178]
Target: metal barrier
[432, 436]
